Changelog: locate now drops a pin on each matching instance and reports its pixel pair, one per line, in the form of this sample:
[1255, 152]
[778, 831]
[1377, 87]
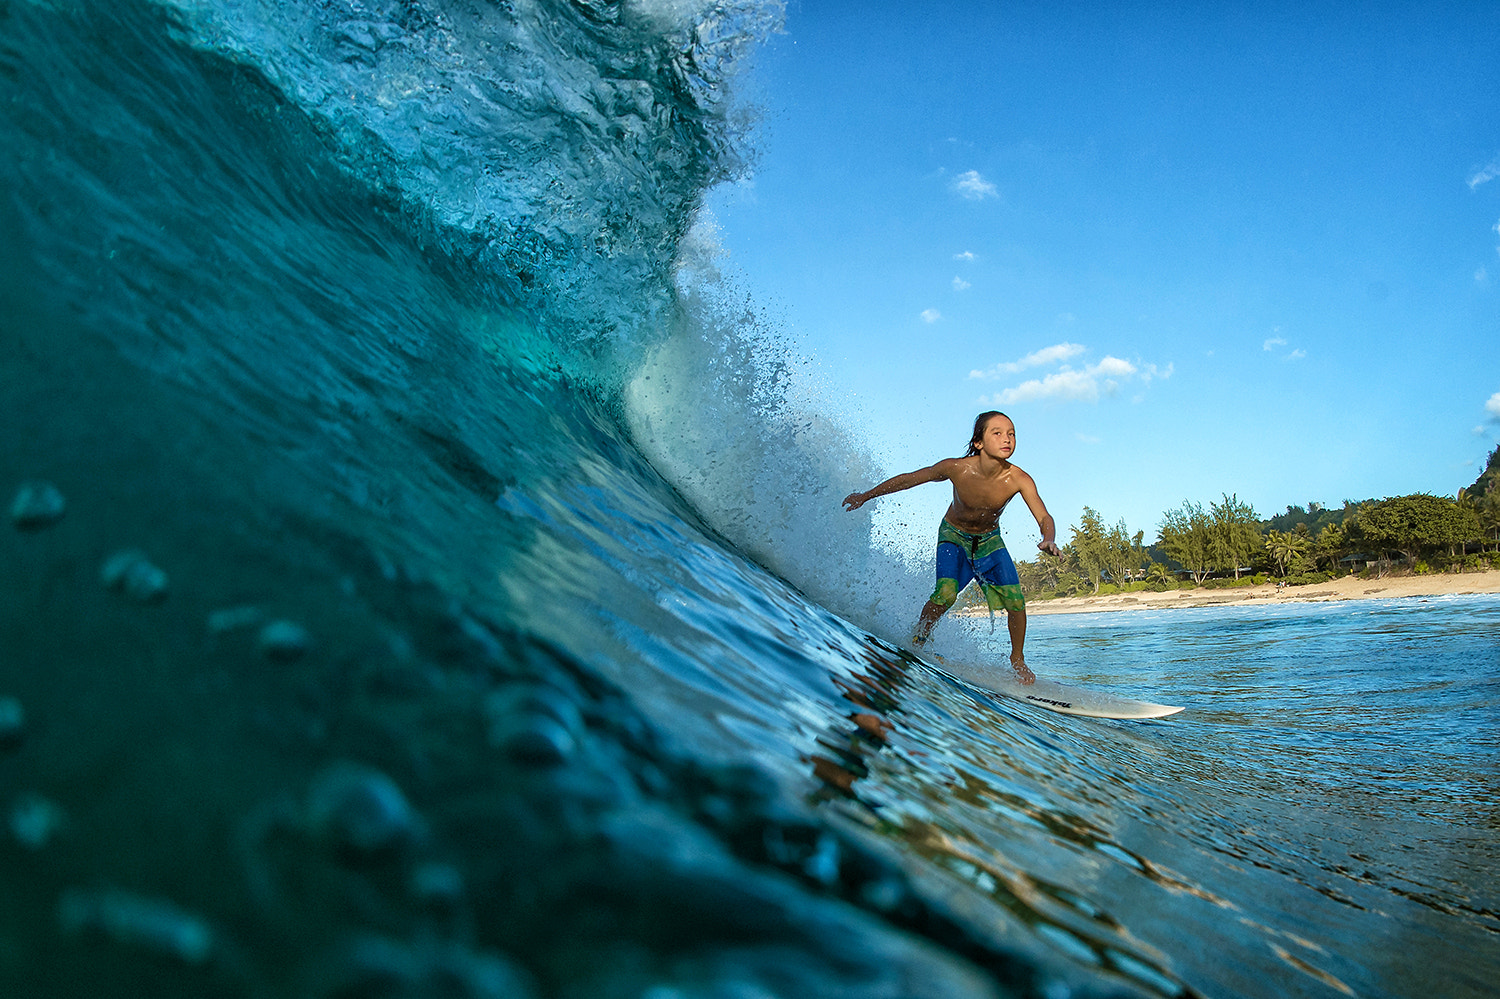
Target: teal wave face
[402, 245]
[561, 146]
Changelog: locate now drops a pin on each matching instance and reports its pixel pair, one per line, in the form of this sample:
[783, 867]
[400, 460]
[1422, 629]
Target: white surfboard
[1044, 693]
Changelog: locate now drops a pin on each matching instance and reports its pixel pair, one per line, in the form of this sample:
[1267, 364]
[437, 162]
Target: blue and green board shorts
[963, 557]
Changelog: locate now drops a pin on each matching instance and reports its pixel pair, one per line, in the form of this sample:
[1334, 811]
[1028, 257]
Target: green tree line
[1228, 540]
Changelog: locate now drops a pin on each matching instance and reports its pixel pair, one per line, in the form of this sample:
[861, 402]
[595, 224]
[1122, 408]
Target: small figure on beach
[969, 543]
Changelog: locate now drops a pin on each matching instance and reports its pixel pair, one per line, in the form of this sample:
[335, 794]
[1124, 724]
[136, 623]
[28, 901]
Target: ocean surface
[426, 577]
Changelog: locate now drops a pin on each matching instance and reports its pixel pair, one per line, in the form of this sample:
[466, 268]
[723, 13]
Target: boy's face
[999, 440]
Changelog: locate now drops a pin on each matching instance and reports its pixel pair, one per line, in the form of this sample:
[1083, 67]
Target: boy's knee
[1007, 598]
[945, 594]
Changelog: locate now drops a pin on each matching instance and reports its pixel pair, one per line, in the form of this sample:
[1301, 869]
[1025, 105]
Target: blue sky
[1249, 250]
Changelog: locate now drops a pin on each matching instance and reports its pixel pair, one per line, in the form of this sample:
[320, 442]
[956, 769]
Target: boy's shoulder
[1019, 472]
[950, 465]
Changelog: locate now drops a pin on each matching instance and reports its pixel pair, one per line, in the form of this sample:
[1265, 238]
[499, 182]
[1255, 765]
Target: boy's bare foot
[1023, 672]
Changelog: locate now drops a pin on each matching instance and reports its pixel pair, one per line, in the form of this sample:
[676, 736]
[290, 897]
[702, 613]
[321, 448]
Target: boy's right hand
[854, 501]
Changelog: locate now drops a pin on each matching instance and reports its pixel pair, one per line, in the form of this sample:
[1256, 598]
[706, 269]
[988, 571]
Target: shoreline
[1440, 584]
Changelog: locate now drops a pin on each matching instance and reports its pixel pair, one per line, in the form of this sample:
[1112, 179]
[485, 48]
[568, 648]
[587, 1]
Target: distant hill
[1316, 516]
[1490, 474]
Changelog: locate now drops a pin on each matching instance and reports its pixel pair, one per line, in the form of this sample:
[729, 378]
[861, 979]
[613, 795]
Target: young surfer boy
[969, 543]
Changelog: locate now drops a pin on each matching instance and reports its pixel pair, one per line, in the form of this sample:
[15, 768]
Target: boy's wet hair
[979, 423]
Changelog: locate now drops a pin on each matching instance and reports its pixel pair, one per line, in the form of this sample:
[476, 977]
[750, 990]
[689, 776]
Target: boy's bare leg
[929, 617]
[1015, 621]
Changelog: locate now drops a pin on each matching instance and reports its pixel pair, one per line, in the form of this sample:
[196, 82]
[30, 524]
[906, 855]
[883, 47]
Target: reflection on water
[1066, 919]
[1333, 781]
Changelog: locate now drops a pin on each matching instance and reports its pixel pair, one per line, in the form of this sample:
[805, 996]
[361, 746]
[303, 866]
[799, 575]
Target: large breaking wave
[431, 578]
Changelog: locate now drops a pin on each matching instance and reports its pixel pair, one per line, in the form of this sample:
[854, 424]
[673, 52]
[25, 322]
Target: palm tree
[1330, 544]
[1286, 548]
[1468, 502]
[1487, 508]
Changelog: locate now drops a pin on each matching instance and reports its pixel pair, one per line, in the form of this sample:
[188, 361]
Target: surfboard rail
[1052, 695]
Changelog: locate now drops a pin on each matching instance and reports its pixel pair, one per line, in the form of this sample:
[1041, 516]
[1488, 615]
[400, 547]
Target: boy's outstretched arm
[1044, 520]
[896, 483]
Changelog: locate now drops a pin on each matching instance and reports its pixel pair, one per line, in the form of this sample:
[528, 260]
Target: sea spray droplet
[437, 882]
[229, 619]
[151, 923]
[823, 865]
[535, 741]
[379, 966]
[284, 641]
[361, 810]
[131, 573]
[883, 894]
[535, 725]
[37, 505]
[34, 820]
[12, 722]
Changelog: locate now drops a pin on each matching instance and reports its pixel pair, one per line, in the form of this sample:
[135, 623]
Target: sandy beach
[1346, 588]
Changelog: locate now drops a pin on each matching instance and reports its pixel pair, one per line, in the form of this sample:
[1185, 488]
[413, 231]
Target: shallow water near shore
[374, 624]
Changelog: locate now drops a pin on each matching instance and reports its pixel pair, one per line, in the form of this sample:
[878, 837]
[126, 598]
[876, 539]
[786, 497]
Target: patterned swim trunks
[963, 557]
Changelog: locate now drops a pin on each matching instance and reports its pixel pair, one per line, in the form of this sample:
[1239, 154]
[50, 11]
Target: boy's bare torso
[978, 499]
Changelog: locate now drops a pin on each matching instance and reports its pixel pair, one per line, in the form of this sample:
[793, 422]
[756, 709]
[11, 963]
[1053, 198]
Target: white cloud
[1277, 340]
[959, 284]
[931, 315]
[966, 255]
[1068, 384]
[974, 187]
[1047, 355]
[1062, 385]
[1481, 276]
[1493, 406]
[1486, 175]
[1087, 439]
[1085, 384]
[1114, 366]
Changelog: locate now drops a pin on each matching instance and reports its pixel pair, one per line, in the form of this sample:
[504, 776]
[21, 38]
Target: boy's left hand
[1050, 547]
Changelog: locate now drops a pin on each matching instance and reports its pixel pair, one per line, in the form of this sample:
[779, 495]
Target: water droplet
[284, 641]
[131, 573]
[151, 923]
[360, 809]
[37, 505]
[12, 722]
[34, 821]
